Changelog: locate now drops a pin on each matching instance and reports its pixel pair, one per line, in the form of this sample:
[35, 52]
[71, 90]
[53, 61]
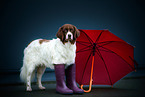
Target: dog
[42, 53]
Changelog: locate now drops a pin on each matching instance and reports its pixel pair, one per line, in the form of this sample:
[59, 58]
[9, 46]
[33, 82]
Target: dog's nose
[69, 35]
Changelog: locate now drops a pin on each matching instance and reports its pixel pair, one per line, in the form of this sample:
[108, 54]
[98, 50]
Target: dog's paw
[42, 88]
[29, 89]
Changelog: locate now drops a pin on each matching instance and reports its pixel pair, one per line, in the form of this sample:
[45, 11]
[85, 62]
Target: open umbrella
[102, 58]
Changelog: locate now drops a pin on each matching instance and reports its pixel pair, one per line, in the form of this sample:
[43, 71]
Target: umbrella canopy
[102, 58]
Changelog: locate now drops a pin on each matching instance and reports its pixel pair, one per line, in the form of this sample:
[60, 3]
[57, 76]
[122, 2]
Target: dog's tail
[23, 74]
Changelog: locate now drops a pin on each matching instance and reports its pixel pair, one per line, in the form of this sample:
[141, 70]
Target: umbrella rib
[82, 43]
[84, 48]
[85, 67]
[104, 45]
[106, 51]
[106, 42]
[105, 65]
[119, 56]
[99, 36]
[91, 41]
[133, 61]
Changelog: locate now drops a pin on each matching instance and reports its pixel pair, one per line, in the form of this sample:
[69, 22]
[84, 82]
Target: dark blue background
[25, 20]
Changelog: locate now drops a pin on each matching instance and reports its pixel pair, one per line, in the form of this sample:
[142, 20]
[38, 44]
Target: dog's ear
[76, 33]
[60, 34]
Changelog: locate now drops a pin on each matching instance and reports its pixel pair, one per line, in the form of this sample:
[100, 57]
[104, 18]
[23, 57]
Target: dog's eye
[71, 30]
[65, 30]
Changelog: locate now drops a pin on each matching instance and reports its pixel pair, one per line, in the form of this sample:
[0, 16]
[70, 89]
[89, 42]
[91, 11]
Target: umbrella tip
[135, 70]
[105, 30]
[112, 86]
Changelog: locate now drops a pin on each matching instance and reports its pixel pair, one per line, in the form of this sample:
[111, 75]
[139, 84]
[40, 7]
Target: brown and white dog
[42, 53]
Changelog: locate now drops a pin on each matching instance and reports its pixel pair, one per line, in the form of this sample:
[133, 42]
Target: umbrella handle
[90, 86]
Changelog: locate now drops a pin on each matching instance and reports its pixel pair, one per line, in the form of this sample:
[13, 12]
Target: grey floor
[131, 85]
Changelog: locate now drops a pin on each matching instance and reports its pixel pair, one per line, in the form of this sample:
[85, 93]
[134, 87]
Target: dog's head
[68, 33]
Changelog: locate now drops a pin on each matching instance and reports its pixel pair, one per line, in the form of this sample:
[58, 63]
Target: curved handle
[90, 85]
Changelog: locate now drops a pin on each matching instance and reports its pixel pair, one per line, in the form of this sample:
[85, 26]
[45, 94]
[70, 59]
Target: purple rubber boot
[60, 80]
[71, 81]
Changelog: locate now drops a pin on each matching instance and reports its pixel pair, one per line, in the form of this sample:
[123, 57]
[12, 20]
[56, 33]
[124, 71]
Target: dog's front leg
[40, 71]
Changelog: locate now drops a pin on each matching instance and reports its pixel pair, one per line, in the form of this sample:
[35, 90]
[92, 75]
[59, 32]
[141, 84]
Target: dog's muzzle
[69, 36]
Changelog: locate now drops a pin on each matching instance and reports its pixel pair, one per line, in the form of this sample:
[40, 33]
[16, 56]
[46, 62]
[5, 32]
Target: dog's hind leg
[29, 75]
[40, 71]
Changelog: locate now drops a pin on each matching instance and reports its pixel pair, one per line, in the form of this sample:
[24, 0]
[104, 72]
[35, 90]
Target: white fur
[69, 33]
[45, 55]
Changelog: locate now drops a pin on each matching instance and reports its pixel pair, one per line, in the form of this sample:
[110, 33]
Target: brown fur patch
[43, 40]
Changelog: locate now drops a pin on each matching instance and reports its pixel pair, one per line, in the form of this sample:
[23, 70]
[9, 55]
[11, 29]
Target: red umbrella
[102, 58]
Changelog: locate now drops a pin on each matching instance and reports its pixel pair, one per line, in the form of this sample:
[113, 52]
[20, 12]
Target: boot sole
[78, 93]
[64, 93]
